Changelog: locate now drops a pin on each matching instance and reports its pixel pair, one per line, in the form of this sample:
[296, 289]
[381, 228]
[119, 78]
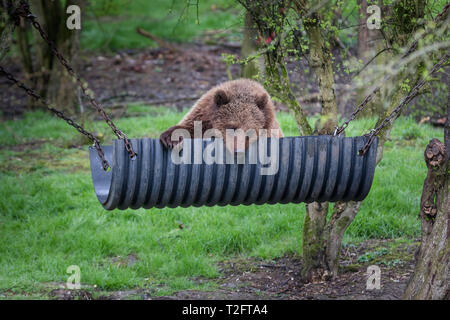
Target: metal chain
[360, 107]
[59, 114]
[24, 11]
[413, 93]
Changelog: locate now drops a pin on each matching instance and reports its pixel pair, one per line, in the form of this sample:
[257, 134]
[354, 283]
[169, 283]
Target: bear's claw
[166, 138]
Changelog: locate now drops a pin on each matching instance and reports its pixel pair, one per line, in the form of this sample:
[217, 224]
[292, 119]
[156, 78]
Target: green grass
[112, 24]
[50, 217]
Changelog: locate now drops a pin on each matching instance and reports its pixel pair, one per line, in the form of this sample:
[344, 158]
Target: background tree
[280, 22]
[270, 18]
[370, 48]
[431, 277]
[6, 27]
[253, 67]
[41, 67]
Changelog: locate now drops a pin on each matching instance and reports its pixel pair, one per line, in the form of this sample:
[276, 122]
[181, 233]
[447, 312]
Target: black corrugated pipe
[297, 169]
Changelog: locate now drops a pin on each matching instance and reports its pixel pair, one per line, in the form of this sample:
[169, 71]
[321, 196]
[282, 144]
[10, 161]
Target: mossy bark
[317, 234]
[341, 218]
[6, 29]
[431, 277]
[24, 45]
[252, 68]
[314, 267]
[320, 60]
[52, 80]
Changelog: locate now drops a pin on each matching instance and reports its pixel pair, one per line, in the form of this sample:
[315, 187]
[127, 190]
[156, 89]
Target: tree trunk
[316, 232]
[253, 67]
[322, 240]
[52, 80]
[362, 45]
[366, 37]
[320, 60]
[314, 266]
[24, 45]
[6, 28]
[371, 52]
[431, 277]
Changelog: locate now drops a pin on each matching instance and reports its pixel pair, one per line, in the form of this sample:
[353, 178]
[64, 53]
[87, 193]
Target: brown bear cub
[238, 104]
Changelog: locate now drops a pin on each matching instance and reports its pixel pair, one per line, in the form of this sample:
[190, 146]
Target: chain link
[24, 11]
[412, 94]
[358, 109]
[59, 114]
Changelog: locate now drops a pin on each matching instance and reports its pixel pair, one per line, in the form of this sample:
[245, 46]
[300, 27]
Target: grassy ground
[112, 24]
[50, 217]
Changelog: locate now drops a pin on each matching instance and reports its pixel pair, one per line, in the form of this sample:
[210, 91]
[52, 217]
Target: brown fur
[238, 104]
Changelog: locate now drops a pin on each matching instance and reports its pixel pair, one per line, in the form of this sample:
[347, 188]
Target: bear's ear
[221, 98]
[261, 101]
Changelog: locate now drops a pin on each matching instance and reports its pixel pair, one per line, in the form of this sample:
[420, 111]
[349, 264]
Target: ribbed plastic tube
[303, 169]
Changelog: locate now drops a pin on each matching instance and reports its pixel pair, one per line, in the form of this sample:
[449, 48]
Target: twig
[161, 42]
[272, 266]
[370, 61]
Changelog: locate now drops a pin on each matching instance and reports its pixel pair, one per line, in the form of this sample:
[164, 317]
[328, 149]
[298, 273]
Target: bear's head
[240, 115]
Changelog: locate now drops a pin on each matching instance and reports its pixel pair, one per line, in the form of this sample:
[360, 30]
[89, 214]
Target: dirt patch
[158, 76]
[64, 294]
[150, 76]
[255, 279]
[280, 279]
